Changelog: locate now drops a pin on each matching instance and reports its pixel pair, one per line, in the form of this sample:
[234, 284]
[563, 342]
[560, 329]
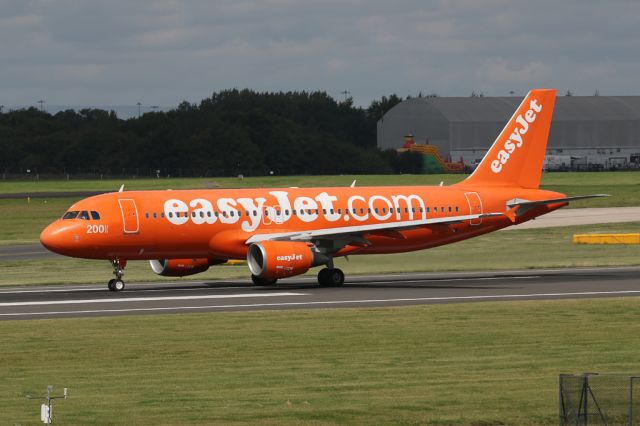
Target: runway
[303, 293]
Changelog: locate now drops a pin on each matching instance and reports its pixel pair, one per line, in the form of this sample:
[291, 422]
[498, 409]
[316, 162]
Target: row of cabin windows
[84, 215]
[232, 213]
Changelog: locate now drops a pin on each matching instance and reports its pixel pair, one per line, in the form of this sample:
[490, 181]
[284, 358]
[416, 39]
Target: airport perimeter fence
[599, 399]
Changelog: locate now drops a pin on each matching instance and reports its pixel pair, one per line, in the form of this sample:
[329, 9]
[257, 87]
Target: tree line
[233, 132]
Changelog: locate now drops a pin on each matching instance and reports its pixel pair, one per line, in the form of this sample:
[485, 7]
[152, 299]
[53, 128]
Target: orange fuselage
[216, 224]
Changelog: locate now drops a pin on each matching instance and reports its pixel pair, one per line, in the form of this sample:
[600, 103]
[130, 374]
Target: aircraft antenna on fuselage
[121, 188]
[353, 184]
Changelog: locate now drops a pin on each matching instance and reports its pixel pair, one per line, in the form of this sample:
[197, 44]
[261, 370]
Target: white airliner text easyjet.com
[252, 211]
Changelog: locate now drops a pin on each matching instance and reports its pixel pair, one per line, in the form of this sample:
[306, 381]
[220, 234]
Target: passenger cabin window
[70, 215]
[84, 215]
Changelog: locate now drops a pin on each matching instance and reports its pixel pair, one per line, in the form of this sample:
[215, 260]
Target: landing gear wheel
[118, 285]
[263, 281]
[330, 277]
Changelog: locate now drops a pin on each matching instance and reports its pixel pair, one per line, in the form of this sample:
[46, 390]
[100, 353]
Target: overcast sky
[160, 52]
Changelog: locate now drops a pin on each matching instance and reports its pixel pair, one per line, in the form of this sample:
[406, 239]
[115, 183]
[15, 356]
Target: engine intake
[182, 267]
[282, 259]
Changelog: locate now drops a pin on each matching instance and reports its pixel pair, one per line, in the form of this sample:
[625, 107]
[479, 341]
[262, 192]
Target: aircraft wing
[358, 230]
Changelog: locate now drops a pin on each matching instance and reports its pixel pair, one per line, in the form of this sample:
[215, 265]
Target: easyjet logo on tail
[515, 140]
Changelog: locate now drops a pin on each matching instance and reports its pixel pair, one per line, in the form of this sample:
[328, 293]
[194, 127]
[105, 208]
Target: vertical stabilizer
[516, 157]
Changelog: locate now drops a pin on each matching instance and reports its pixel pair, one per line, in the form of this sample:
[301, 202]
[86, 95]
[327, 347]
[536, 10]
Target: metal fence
[599, 399]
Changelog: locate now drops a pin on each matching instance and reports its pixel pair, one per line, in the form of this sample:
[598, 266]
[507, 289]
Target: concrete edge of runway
[312, 280]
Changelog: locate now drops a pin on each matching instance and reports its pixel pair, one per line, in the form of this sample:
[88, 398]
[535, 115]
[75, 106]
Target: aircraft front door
[130, 219]
[475, 206]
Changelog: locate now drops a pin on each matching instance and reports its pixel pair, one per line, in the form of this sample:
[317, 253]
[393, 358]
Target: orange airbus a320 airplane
[283, 232]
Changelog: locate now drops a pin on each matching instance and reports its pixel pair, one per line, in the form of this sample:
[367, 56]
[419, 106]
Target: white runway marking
[238, 283]
[147, 299]
[330, 302]
[55, 290]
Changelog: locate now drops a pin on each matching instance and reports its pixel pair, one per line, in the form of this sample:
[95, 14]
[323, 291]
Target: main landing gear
[330, 277]
[117, 284]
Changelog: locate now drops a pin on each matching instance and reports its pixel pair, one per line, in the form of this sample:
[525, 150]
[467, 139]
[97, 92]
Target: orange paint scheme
[317, 224]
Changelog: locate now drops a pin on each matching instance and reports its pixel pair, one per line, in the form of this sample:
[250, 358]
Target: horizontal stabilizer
[525, 203]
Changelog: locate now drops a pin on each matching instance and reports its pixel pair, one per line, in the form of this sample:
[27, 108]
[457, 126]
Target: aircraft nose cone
[52, 238]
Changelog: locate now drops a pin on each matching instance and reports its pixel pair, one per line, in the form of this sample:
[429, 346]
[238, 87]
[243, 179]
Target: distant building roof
[474, 122]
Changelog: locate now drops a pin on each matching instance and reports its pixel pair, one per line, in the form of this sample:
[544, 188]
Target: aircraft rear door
[130, 221]
[475, 206]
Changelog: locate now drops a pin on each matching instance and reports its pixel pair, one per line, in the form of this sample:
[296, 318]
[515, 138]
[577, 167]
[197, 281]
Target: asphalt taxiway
[303, 293]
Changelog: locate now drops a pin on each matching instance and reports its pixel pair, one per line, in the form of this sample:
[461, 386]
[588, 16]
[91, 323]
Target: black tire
[118, 285]
[110, 284]
[330, 277]
[336, 277]
[263, 281]
[323, 278]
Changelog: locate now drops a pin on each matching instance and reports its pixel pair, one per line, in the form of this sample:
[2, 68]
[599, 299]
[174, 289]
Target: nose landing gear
[117, 284]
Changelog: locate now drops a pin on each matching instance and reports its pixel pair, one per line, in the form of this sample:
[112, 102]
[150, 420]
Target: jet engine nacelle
[182, 267]
[282, 259]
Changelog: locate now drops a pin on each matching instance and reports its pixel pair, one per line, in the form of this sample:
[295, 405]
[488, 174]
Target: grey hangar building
[587, 132]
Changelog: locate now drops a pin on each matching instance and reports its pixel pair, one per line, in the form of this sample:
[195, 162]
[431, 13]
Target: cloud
[164, 51]
[499, 70]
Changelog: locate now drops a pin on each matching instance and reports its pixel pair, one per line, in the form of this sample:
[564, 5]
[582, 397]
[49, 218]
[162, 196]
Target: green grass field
[521, 249]
[463, 364]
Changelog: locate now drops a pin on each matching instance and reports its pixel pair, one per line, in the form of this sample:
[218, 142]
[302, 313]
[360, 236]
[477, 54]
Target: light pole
[41, 102]
[139, 104]
[346, 94]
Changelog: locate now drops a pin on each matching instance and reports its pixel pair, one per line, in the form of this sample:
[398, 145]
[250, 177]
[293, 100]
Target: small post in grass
[46, 413]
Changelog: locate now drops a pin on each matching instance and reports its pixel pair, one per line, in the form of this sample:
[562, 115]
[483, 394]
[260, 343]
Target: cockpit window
[70, 215]
[95, 215]
[84, 215]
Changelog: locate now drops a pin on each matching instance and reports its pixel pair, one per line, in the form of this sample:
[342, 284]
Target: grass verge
[471, 364]
[518, 249]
